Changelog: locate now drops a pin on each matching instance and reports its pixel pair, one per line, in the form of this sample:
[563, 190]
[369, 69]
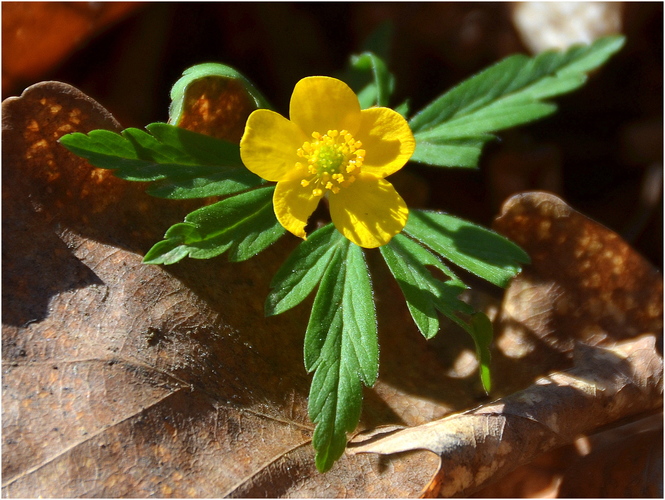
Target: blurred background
[602, 152]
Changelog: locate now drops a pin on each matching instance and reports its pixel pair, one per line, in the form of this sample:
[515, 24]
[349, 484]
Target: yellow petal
[293, 205]
[321, 103]
[387, 139]
[369, 212]
[269, 145]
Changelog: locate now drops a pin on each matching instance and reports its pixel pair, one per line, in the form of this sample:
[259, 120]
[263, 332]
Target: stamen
[329, 158]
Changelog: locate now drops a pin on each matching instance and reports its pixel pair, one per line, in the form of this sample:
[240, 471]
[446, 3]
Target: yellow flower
[331, 148]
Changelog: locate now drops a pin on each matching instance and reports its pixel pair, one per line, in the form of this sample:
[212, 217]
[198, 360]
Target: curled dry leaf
[626, 462]
[482, 445]
[127, 380]
[588, 308]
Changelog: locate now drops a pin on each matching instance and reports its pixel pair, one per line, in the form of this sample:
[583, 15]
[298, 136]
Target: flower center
[333, 161]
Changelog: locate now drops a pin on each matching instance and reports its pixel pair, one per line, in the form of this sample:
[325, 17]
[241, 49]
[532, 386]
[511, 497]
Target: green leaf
[200, 149]
[209, 70]
[519, 78]
[472, 247]
[480, 328]
[364, 83]
[303, 270]
[450, 153]
[179, 163]
[498, 116]
[341, 346]
[244, 225]
[379, 91]
[505, 95]
[424, 294]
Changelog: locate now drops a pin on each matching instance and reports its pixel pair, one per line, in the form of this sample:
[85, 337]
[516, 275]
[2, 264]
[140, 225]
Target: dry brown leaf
[36, 36]
[122, 379]
[626, 462]
[482, 445]
[540, 478]
[535, 314]
[585, 284]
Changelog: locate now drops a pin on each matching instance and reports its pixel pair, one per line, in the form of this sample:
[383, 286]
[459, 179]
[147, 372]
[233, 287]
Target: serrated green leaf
[200, 184]
[450, 152]
[360, 316]
[326, 317]
[303, 270]
[244, 225]
[341, 347]
[362, 81]
[488, 119]
[166, 252]
[474, 248]
[534, 78]
[505, 95]
[424, 294]
[102, 148]
[209, 70]
[180, 164]
[200, 149]
[480, 328]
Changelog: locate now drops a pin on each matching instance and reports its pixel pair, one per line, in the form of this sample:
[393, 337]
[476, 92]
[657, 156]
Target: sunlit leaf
[181, 164]
[303, 270]
[424, 294]
[341, 347]
[472, 247]
[244, 225]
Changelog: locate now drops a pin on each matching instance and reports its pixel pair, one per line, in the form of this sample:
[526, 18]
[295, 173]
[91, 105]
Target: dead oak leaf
[100, 365]
[626, 462]
[585, 284]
